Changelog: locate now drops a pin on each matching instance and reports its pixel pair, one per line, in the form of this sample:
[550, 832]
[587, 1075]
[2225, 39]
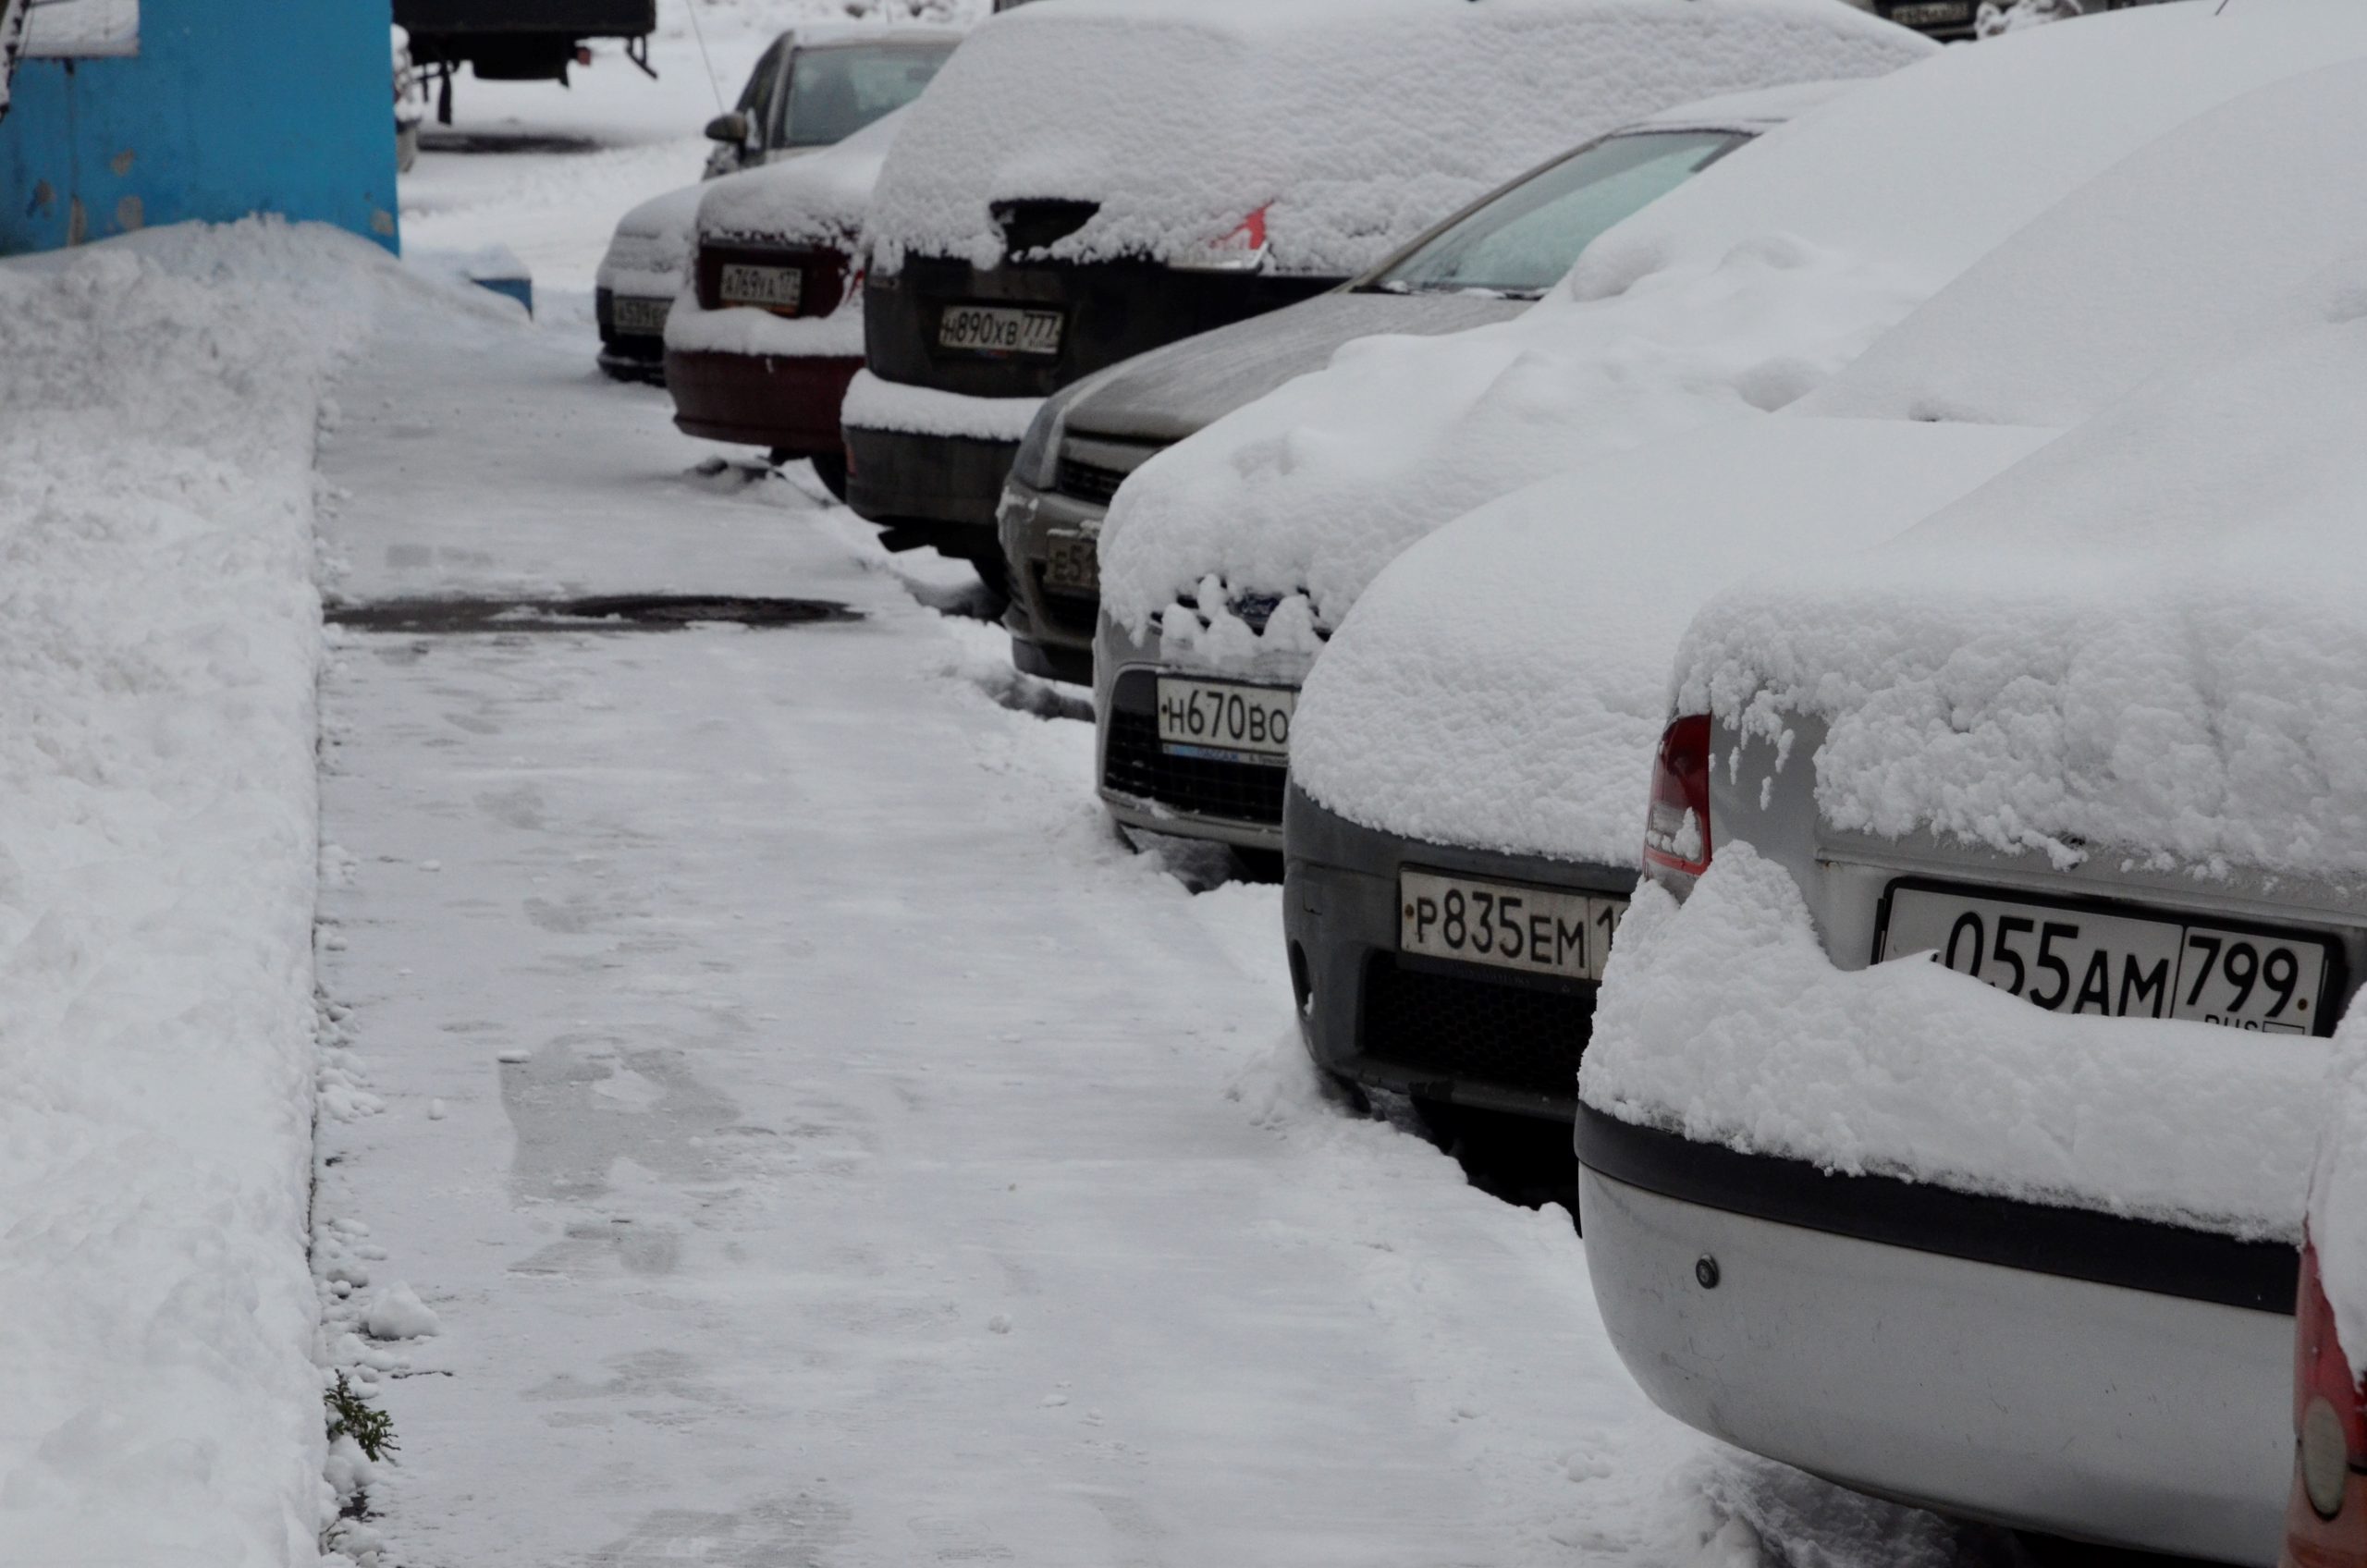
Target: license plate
[640, 317]
[767, 289]
[1000, 329]
[1534, 930]
[1230, 723]
[2070, 959]
[1931, 13]
[1073, 564]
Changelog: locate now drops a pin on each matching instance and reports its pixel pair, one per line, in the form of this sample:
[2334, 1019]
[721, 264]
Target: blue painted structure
[230, 107]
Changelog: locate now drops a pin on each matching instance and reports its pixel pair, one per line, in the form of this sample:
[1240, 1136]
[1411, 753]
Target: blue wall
[231, 108]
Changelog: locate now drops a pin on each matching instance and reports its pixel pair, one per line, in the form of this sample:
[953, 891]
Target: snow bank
[158, 633]
[2147, 639]
[1352, 124]
[1503, 685]
[1740, 291]
[874, 404]
[1910, 1070]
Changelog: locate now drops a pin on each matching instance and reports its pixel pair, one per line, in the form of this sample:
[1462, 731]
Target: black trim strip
[2071, 1243]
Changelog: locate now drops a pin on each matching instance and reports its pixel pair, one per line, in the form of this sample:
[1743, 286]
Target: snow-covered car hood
[822, 198]
[650, 252]
[1504, 684]
[1743, 288]
[1327, 133]
[1176, 391]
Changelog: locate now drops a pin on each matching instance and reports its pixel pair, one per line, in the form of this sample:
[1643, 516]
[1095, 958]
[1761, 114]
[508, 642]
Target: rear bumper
[1236, 803]
[1051, 632]
[784, 404]
[1944, 1375]
[1474, 1035]
[941, 488]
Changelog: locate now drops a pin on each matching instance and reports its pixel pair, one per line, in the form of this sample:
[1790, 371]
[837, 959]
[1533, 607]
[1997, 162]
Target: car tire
[406, 147]
[830, 468]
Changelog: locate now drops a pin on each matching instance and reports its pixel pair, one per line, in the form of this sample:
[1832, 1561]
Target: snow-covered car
[2325, 1518]
[410, 103]
[1094, 178]
[768, 331]
[1486, 264]
[1945, 1127]
[813, 87]
[1227, 559]
[1469, 754]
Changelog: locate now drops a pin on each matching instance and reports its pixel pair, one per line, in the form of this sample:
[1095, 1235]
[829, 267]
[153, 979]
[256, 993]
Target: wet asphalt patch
[497, 141]
[615, 612]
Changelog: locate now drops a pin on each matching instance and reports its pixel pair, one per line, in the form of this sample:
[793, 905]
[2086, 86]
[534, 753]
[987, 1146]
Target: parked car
[410, 103]
[2326, 1520]
[1950, 1138]
[1486, 264]
[1226, 561]
[1476, 736]
[811, 87]
[1095, 178]
[760, 346]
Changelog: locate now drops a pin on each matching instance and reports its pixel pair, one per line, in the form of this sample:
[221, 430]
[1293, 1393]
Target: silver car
[1485, 264]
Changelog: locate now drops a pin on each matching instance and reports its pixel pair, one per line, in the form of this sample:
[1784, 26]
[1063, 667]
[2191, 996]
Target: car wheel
[406, 147]
[830, 468]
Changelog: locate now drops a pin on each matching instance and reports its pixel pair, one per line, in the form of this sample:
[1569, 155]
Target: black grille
[1087, 481]
[1477, 1031]
[1237, 791]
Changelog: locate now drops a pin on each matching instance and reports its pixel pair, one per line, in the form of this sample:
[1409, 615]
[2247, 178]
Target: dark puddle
[620, 612]
[495, 142]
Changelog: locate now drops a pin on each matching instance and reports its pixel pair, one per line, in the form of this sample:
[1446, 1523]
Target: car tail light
[2330, 1427]
[1676, 831]
[1243, 250]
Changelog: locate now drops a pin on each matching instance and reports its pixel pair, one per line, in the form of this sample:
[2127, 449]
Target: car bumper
[2040, 1401]
[785, 404]
[1474, 1035]
[1144, 787]
[1051, 630]
[942, 489]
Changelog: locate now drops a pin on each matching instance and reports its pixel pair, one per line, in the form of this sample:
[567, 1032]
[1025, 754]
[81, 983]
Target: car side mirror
[731, 129]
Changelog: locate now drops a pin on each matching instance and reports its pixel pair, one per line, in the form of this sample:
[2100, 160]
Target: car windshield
[835, 93]
[1523, 241]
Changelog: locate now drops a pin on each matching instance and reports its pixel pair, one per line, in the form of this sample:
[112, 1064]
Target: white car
[1467, 758]
[1228, 560]
[1950, 1137]
[813, 88]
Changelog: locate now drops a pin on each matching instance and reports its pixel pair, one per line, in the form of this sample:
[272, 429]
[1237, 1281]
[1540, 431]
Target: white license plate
[1532, 929]
[1072, 563]
[641, 317]
[2077, 960]
[1230, 723]
[1931, 13]
[1000, 329]
[766, 288]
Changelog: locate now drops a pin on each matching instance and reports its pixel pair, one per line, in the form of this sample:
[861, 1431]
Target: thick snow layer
[1910, 1069]
[158, 1399]
[649, 256]
[874, 404]
[1504, 684]
[1740, 290]
[2146, 637]
[1353, 125]
[2338, 1191]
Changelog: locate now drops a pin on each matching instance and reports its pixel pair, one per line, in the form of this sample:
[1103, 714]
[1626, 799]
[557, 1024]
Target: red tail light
[2327, 1520]
[1676, 831]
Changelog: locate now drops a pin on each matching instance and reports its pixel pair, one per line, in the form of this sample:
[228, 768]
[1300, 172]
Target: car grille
[1135, 765]
[1089, 482]
[1475, 1029]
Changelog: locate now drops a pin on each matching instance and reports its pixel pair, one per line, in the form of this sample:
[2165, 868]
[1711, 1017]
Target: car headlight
[1037, 462]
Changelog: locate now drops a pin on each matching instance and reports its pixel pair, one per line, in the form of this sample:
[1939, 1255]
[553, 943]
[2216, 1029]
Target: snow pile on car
[1738, 292]
[1504, 684]
[2338, 1191]
[650, 254]
[1349, 126]
[159, 632]
[818, 201]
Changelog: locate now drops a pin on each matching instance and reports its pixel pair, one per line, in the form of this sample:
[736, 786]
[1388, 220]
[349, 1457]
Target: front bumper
[1227, 803]
[938, 489]
[788, 405]
[1051, 630]
[1990, 1359]
[1476, 1036]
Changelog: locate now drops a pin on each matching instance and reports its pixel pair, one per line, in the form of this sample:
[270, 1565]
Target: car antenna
[705, 58]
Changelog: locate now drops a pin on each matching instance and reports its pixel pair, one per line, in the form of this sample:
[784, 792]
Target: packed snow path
[818, 1142]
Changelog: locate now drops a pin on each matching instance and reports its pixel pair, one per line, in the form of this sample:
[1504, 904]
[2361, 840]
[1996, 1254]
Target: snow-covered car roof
[822, 198]
[1504, 684]
[1741, 290]
[1351, 124]
[840, 34]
